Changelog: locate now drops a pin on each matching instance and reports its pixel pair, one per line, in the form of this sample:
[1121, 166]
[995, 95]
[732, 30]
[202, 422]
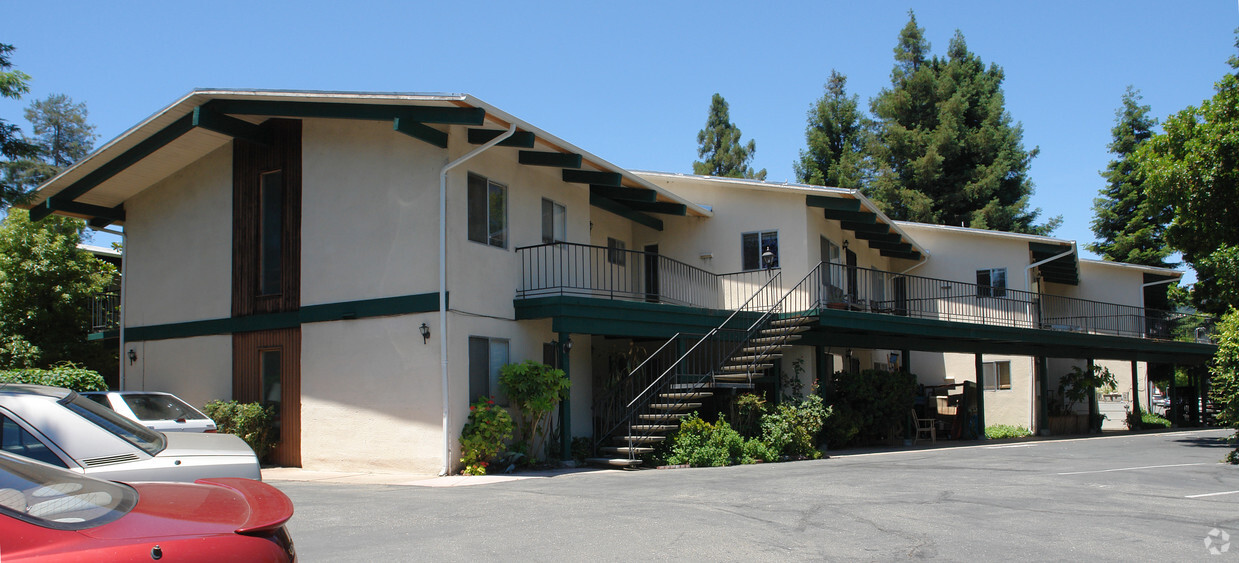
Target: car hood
[182, 444]
[207, 506]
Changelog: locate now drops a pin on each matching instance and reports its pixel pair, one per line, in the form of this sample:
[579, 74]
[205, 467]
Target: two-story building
[367, 262]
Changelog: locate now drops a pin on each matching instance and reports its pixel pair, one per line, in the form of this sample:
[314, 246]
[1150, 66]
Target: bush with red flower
[483, 436]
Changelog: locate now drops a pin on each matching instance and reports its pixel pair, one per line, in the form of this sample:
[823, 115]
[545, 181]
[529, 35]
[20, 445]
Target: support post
[906, 354]
[1135, 390]
[565, 406]
[1043, 399]
[1093, 409]
[980, 369]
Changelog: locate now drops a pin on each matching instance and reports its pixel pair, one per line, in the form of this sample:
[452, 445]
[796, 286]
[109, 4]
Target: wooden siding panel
[247, 383]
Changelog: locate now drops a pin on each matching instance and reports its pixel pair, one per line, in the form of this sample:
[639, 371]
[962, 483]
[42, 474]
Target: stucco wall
[198, 370]
[179, 245]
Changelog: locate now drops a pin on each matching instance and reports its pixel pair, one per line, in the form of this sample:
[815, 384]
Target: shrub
[1000, 431]
[534, 388]
[1146, 421]
[701, 444]
[483, 436]
[750, 407]
[67, 375]
[251, 422]
[870, 405]
[791, 430]
[1224, 384]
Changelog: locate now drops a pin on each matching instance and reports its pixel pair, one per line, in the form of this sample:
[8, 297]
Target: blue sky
[632, 81]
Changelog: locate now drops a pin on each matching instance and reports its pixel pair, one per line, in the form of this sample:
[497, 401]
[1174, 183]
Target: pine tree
[946, 150]
[836, 136]
[61, 137]
[13, 83]
[1129, 227]
[719, 146]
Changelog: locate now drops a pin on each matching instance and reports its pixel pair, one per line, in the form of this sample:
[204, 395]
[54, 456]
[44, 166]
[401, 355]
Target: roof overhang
[1058, 262]
[97, 187]
[859, 214]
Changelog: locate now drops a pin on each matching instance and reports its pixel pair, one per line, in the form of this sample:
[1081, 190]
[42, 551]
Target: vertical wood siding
[247, 348]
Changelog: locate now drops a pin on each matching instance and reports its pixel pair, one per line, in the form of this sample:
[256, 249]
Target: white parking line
[1132, 468]
[1010, 446]
[1212, 494]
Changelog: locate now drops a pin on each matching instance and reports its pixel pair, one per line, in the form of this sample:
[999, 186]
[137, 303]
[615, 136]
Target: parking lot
[1156, 496]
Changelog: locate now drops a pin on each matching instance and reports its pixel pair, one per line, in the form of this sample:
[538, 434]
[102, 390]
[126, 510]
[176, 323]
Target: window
[992, 282]
[616, 252]
[997, 375]
[488, 212]
[554, 222]
[270, 232]
[16, 440]
[486, 356]
[753, 245]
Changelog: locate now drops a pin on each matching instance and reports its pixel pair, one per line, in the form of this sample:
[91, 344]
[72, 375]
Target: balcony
[569, 269]
[105, 312]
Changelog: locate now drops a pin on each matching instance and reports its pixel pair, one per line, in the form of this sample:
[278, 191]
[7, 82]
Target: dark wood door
[651, 273]
[266, 368]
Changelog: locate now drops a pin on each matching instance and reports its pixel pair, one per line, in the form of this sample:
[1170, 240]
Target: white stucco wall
[198, 370]
[179, 245]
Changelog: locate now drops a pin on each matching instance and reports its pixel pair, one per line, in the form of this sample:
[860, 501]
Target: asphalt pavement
[1154, 496]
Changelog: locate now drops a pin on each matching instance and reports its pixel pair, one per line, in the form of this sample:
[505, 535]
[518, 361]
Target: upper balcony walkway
[890, 310]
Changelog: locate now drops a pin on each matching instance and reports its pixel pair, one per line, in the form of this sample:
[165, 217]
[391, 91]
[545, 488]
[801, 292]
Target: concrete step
[686, 395]
[755, 357]
[655, 427]
[613, 461]
[623, 451]
[675, 407]
[780, 331]
[730, 367]
[650, 439]
[662, 417]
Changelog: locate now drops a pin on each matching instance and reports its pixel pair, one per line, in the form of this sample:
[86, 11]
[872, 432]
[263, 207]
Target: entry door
[851, 263]
[651, 273]
[899, 286]
[267, 369]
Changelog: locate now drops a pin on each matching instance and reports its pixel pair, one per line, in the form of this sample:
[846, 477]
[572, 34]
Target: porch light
[845, 244]
[133, 356]
[767, 258]
[568, 344]
[425, 330]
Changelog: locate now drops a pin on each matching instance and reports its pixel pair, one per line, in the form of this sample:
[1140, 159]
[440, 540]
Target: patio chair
[924, 426]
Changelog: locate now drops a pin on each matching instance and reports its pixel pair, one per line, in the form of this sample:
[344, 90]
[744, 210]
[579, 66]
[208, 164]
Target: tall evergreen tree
[13, 83]
[61, 137]
[946, 149]
[719, 146]
[1129, 227]
[836, 136]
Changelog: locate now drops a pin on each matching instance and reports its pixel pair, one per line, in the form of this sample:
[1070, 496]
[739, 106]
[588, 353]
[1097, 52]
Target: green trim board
[332, 110]
[231, 126]
[519, 139]
[852, 216]
[420, 131]
[613, 317]
[624, 194]
[111, 214]
[613, 179]
[835, 203]
[663, 207]
[880, 228]
[349, 310]
[624, 211]
[541, 158]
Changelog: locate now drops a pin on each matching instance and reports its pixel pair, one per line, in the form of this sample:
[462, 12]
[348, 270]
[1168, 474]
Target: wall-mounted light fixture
[767, 258]
[133, 356]
[845, 244]
[425, 330]
[568, 344]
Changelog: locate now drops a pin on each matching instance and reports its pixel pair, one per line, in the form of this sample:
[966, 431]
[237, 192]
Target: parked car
[164, 412]
[48, 513]
[65, 429]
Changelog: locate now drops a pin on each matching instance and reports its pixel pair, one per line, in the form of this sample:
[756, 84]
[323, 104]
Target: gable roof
[204, 120]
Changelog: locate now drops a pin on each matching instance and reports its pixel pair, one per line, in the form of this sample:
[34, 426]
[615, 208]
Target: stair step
[723, 385]
[755, 357]
[637, 450]
[660, 417]
[734, 378]
[675, 406]
[784, 330]
[686, 395]
[655, 427]
[773, 339]
[613, 461]
[791, 321]
[705, 384]
[733, 368]
[639, 439]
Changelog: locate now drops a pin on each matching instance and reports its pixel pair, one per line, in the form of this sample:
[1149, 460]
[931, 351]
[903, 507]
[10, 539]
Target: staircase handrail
[762, 321]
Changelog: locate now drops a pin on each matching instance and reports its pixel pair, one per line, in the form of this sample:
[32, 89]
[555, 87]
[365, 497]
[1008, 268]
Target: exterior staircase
[680, 383]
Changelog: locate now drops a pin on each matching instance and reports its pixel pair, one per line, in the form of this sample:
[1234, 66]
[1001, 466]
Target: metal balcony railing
[105, 311]
[594, 271]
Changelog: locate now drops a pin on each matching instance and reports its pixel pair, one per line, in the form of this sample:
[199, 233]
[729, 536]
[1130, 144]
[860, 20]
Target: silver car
[60, 427]
[164, 412]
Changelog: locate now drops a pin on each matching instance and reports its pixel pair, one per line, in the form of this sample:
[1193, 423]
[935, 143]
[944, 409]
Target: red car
[48, 513]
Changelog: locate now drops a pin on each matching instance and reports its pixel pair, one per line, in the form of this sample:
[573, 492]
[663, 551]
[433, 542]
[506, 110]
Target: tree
[719, 145]
[946, 150]
[1224, 385]
[1128, 225]
[13, 83]
[47, 285]
[61, 137]
[836, 137]
[1192, 167]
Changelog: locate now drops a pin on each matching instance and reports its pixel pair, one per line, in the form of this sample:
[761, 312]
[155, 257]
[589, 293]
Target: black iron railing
[105, 311]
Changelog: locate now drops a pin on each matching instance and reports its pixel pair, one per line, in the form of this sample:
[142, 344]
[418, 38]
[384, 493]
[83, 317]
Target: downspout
[124, 265]
[447, 442]
[1028, 270]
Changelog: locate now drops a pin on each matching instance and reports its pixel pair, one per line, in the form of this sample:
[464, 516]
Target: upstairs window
[488, 212]
[992, 282]
[270, 232]
[616, 252]
[554, 222]
[753, 245]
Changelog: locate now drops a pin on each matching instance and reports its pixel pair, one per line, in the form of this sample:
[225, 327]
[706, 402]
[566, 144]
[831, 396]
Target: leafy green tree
[13, 83]
[946, 150]
[47, 285]
[534, 388]
[1192, 167]
[719, 146]
[1224, 385]
[1129, 226]
[836, 136]
[61, 137]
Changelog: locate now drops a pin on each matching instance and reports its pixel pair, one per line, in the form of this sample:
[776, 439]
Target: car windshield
[55, 498]
[160, 407]
[148, 440]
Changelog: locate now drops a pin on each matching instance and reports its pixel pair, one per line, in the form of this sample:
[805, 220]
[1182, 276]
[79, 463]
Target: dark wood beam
[914, 255]
[624, 211]
[519, 139]
[880, 228]
[882, 237]
[112, 214]
[420, 131]
[835, 203]
[663, 207]
[613, 179]
[560, 159]
[896, 246]
[624, 194]
[227, 125]
[851, 216]
[377, 112]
